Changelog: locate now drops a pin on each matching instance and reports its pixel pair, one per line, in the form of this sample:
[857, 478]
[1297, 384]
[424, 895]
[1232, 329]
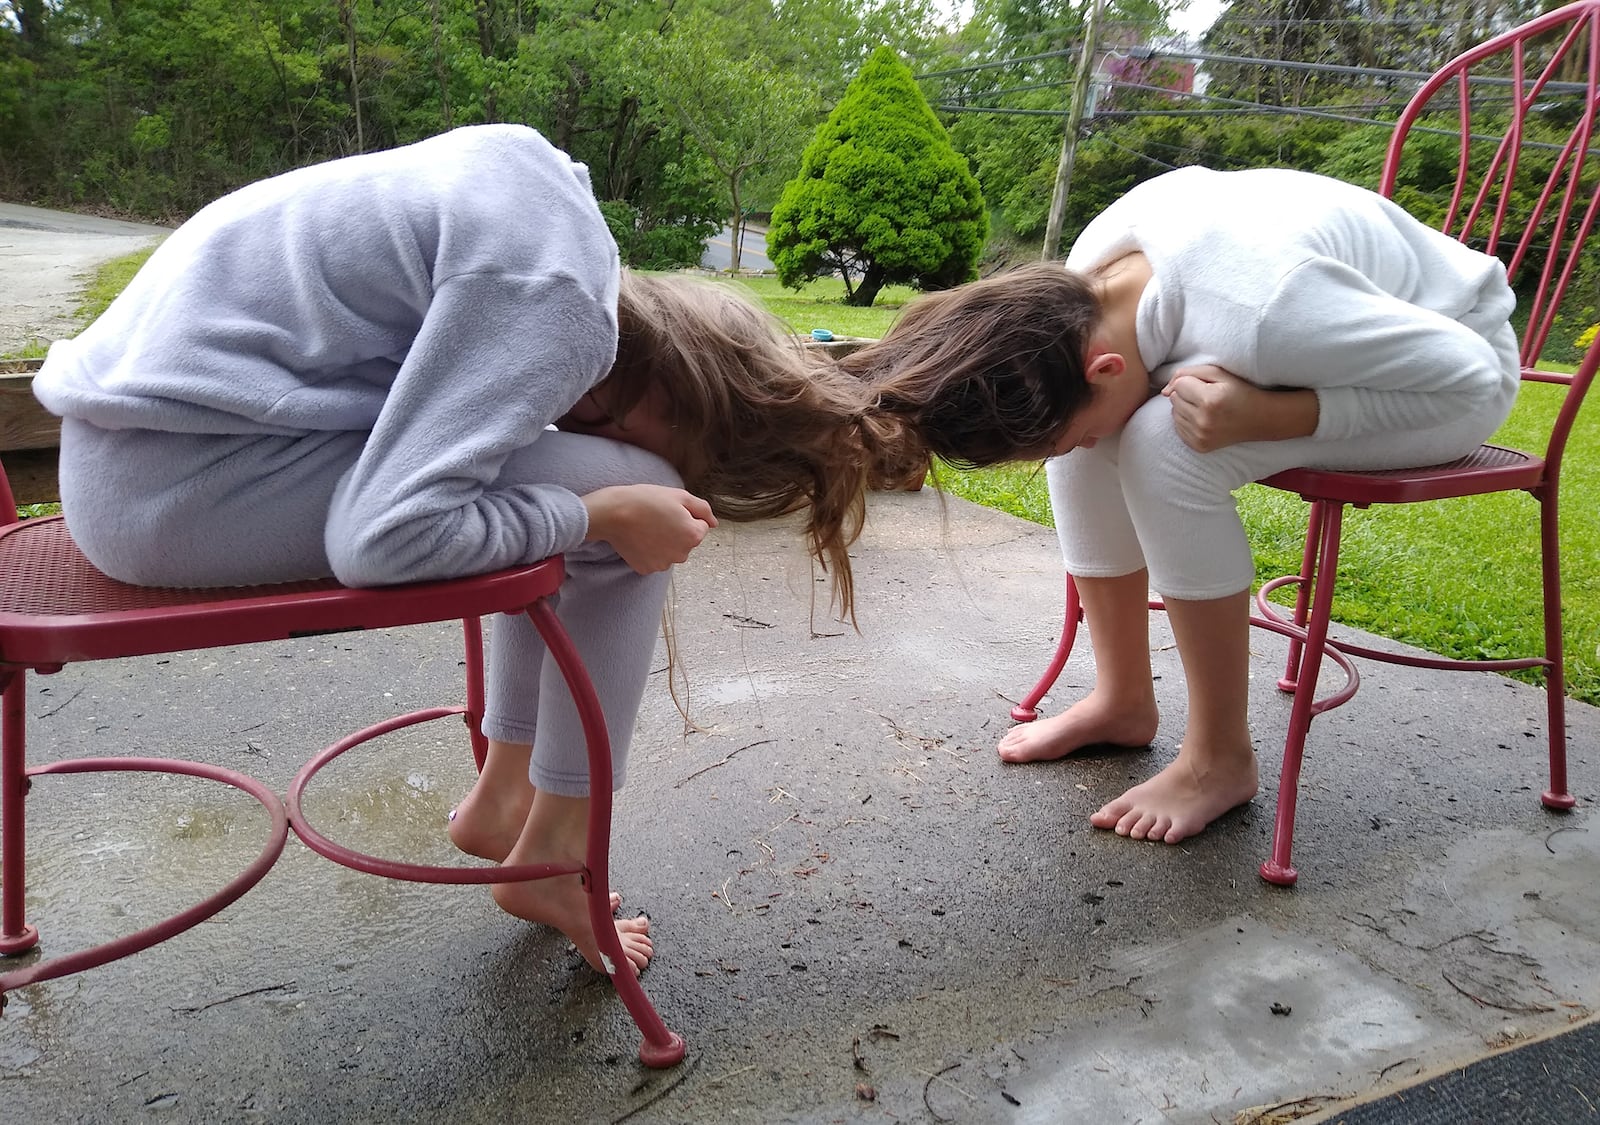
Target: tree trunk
[347, 20]
[483, 11]
[440, 70]
[30, 17]
[867, 291]
[735, 226]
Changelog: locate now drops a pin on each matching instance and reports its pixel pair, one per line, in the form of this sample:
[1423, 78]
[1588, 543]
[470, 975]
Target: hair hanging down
[763, 425]
[990, 371]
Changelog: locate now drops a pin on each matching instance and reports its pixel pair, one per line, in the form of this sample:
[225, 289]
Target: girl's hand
[650, 526]
[1212, 408]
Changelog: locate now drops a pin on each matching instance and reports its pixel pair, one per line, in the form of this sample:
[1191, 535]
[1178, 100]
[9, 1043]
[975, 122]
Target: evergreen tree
[882, 196]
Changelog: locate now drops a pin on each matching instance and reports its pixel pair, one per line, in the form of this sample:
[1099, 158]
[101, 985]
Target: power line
[1146, 53]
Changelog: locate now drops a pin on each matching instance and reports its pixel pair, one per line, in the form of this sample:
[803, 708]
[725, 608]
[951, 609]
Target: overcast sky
[1197, 18]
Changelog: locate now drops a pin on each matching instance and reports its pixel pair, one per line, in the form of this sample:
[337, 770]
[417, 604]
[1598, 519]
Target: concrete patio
[860, 914]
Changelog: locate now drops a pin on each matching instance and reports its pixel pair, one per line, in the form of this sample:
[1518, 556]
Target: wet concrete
[850, 895]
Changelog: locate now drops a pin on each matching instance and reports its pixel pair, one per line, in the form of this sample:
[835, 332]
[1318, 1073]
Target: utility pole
[1069, 141]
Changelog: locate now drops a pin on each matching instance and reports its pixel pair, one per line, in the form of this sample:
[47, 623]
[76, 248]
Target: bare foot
[562, 902]
[489, 819]
[1181, 800]
[1092, 721]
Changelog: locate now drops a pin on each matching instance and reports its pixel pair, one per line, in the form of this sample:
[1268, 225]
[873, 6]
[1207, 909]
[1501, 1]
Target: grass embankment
[105, 283]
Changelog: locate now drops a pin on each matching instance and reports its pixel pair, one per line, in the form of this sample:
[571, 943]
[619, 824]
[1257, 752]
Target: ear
[1102, 365]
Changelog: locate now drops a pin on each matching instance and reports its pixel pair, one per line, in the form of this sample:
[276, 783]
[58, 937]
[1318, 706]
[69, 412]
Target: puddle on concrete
[742, 689]
[1236, 1015]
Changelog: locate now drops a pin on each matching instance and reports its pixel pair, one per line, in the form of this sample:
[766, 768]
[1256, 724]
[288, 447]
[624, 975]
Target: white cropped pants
[1143, 499]
[224, 510]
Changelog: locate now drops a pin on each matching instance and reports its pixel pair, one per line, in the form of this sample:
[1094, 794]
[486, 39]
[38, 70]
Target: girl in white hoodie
[1210, 329]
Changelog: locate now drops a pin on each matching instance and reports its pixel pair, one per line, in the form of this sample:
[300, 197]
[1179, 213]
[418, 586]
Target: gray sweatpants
[224, 510]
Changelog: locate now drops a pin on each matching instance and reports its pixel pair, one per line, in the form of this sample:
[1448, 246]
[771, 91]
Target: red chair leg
[1027, 710]
[661, 1047]
[171, 927]
[1555, 679]
[16, 936]
[472, 635]
[1316, 527]
[1279, 869]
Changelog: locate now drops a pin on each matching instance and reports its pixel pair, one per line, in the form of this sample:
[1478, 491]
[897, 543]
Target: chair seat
[1490, 468]
[56, 607]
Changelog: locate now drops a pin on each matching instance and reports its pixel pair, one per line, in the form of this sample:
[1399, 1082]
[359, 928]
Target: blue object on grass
[821, 334]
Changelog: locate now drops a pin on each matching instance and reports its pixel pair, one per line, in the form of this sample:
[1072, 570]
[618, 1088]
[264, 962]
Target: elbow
[357, 566]
[376, 557]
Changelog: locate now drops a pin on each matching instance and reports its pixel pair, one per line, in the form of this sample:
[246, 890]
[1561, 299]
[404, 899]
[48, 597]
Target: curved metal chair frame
[1554, 56]
[56, 609]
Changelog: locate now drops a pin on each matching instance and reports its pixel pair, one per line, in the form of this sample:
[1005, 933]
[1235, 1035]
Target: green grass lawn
[820, 304]
[1459, 577]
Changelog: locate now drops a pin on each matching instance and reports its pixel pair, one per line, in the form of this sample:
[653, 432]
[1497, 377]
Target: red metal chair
[56, 608]
[1522, 107]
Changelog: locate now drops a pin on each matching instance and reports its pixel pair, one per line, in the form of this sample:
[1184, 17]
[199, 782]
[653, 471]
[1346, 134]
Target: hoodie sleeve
[1378, 363]
[424, 500]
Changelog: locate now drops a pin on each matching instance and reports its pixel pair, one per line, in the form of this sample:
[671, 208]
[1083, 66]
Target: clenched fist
[650, 526]
[1212, 408]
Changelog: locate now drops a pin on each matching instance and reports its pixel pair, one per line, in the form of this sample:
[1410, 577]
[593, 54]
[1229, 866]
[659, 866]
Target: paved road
[45, 259]
[752, 254]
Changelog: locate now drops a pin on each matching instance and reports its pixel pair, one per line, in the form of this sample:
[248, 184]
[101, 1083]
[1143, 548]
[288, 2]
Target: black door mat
[1551, 1080]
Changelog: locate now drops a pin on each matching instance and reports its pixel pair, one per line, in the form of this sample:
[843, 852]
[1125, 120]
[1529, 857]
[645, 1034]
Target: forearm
[1283, 413]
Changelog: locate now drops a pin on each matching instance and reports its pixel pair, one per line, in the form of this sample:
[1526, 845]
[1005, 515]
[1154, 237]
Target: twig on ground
[1384, 1073]
[1481, 1002]
[724, 1077]
[1547, 839]
[934, 1076]
[714, 765]
[659, 1094]
[1284, 1111]
[239, 996]
[63, 705]
[742, 622]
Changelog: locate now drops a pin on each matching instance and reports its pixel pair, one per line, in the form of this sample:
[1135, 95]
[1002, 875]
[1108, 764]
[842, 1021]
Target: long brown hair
[762, 426]
[991, 371]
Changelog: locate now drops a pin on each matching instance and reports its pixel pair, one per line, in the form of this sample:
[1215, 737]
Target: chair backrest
[1499, 146]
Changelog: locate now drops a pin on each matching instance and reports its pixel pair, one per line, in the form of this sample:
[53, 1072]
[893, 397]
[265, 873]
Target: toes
[638, 951]
[1138, 823]
[1014, 747]
[1110, 814]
